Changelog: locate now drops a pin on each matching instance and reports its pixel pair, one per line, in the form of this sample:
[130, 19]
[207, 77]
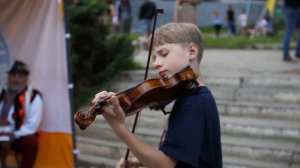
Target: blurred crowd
[239, 24]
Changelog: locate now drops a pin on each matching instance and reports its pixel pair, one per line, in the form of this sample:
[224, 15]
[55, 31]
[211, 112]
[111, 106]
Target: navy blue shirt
[193, 133]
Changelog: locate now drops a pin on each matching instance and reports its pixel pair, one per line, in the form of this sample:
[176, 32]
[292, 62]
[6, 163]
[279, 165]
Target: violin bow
[145, 78]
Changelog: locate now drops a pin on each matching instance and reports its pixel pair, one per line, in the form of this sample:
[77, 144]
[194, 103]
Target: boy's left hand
[113, 113]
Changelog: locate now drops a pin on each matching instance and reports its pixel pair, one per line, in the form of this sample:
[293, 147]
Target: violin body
[143, 95]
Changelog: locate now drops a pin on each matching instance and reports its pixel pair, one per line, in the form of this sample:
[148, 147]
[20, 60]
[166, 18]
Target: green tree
[95, 55]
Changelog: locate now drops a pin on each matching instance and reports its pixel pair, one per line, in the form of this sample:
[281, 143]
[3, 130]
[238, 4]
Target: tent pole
[70, 81]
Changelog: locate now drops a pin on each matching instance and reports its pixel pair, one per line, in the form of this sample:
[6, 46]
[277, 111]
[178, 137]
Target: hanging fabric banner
[270, 5]
[34, 33]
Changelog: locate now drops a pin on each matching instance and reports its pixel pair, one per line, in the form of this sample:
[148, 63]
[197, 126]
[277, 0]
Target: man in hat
[20, 115]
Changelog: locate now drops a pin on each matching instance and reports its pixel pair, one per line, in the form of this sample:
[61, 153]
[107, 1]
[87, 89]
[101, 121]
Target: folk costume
[20, 120]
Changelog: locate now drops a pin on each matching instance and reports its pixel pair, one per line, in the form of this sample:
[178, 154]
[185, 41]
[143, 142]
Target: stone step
[260, 149]
[271, 95]
[104, 132]
[246, 162]
[251, 127]
[101, 147]
[259, 110]
[259, 94]
[248, 145]
[87, 160]
[278, 82]
[267, 155]
[252, 131]
[239, 162]
[275, 81]
[256, 127]
[108, 152]
[94, 161]
[261, 122]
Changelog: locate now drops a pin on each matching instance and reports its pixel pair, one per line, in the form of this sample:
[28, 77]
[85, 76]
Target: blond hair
[179, 33]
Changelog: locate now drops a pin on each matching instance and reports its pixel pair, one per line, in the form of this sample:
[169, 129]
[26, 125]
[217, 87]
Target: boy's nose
[157, 63]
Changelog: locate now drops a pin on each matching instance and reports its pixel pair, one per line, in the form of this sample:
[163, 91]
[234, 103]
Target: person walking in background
[124, 12]
[107, 17]
[116, 20]
[146, 14]
[230, 18]
[186, 11]
[292, 15]
[217, 21]
[21, 109]
[242, 23]
[113, 19]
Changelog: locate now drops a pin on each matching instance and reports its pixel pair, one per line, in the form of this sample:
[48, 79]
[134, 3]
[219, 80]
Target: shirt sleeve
[33, 118]
[185, 133]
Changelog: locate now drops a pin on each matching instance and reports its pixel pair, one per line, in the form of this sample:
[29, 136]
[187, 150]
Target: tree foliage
[96, 56]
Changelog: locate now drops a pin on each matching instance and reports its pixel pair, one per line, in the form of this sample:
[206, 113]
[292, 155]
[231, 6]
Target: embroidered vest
[21, 104]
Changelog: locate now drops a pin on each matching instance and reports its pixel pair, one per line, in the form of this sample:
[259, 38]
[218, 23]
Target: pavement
[239, 62]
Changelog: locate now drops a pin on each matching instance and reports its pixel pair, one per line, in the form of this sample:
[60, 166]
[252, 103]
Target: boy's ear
[193, 51]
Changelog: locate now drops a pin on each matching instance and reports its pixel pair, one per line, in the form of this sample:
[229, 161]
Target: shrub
[96, 57]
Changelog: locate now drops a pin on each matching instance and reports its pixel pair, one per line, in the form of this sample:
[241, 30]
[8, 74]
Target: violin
[143, 95]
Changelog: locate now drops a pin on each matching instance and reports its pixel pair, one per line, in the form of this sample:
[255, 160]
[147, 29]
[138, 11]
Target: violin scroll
[84, 119]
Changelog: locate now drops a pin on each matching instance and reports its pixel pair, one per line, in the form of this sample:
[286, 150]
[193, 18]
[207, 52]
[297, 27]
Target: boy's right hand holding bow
[131, 163]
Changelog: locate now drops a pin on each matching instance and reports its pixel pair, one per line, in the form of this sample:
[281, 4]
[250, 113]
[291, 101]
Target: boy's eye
[164, 53]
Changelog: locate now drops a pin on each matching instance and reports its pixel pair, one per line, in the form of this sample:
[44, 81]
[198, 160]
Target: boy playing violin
[192, 139]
